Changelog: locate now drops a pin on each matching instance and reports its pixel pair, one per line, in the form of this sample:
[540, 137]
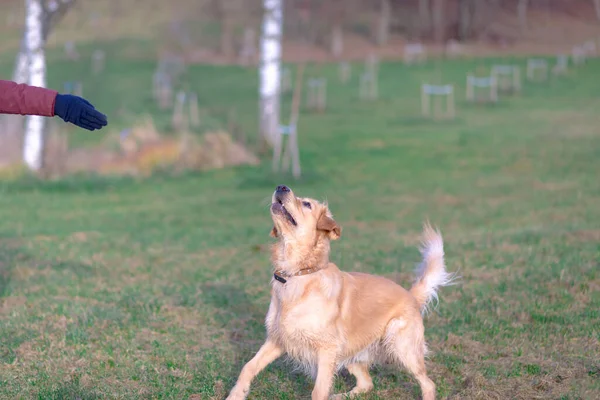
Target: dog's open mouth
[278, 208]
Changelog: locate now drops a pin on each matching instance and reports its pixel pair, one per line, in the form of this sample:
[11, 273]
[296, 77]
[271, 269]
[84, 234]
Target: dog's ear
[328, 224]
[273, 232]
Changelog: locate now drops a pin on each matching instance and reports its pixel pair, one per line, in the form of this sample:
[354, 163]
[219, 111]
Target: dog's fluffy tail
[431, 272]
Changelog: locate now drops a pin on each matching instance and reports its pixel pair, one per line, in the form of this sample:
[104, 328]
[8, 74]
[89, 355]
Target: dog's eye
[306, 204]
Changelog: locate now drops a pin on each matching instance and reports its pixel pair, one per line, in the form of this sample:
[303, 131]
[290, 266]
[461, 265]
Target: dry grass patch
[140, 152]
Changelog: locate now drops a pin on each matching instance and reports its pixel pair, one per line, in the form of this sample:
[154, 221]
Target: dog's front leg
[325, 372]
[268, 353]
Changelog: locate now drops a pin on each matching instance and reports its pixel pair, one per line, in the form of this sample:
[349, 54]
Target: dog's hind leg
[268, 353]
[364, 383]
[406, 343]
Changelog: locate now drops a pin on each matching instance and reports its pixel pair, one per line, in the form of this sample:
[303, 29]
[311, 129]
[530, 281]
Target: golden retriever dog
[326, 319]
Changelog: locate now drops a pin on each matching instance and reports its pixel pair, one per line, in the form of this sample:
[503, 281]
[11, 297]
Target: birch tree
[36, 67]
[270, 70]
[226, 10]
[53, 12]
[20, 72]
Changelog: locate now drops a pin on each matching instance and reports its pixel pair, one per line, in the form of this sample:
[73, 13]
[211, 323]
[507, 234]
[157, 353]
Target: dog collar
[281, 276]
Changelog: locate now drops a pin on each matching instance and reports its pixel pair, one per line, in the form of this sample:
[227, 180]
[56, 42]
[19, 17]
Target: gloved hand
[79, 111]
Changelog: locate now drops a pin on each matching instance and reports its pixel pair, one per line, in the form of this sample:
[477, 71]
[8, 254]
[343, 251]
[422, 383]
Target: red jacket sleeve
[26, 100]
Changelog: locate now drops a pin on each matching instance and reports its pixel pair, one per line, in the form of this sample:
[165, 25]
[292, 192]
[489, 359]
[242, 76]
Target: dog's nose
[282, 189]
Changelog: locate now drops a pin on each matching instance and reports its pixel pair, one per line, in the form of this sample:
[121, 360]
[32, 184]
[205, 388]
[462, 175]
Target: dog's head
[301, 219]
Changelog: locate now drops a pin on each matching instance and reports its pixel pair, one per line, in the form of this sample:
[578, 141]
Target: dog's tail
[431, 272]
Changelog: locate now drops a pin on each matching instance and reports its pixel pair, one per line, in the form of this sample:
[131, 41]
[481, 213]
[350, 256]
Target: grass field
[116, 288]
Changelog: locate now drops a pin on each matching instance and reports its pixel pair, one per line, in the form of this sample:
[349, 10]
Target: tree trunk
[270, 70]
[20, 72]
[11, 134]
[54, 11]
[522, 13]
[597, 6]
[337, 39]
[466, 18]
[425, 16]
[34, 125]
[439, 21]
[335, 15]
[12, 125]
[227, 10]
[385, 19]
[227, 36]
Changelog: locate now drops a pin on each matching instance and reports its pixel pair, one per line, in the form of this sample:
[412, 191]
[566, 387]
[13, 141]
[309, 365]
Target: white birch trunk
[270, 70]
[34, 125]
[20, 72]
[12, 125]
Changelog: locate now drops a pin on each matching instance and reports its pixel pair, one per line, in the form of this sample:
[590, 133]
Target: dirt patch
[521, 166]
[476, 386]
[589, 235]
[465, 344]
[447, 200]
[82, 237]
[554, 186]
[499, 200]
[8, 304]
[487, 373]
[372, 144]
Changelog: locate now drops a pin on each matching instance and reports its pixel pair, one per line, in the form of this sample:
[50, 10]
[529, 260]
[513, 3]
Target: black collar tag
[279, 278]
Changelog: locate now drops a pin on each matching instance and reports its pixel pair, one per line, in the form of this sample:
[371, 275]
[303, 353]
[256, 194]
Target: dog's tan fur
[331, 319]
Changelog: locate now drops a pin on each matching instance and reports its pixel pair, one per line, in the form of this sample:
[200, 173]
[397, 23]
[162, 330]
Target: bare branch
[54, 11]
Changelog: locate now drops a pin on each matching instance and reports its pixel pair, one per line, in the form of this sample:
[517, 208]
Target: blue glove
[79, 111]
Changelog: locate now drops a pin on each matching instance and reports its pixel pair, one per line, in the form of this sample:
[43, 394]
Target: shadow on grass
[68, 390]
[245, 322]
[11, 337]
[10, 254]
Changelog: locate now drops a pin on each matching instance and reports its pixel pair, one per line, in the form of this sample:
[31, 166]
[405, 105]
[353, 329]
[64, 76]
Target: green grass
[117, 288]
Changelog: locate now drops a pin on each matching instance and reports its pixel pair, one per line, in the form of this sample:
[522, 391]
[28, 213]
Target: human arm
[31, 100]
[26, 100]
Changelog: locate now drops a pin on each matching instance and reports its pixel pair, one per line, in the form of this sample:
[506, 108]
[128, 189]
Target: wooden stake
[194, 112]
